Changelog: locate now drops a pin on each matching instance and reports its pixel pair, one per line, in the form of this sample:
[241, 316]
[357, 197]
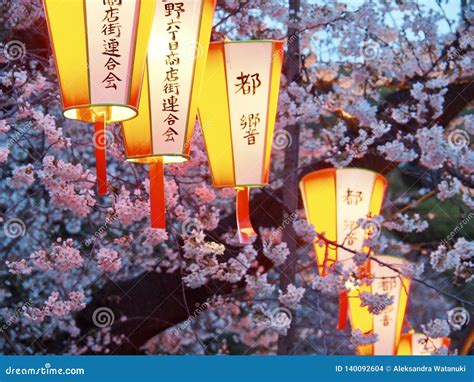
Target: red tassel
[244, 225]
[157, 194]
[100, 158]
[343, 311]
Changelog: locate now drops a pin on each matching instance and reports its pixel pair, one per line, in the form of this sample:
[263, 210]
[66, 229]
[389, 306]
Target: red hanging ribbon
[100, 158]
[157, 194]
[343, 311]
[244, 225]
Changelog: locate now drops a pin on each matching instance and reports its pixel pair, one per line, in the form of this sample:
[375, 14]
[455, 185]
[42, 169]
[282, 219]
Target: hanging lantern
[419, 344]
[385, 271]
[334, 200]
[237, 111]
[100, 50]
[163, 130]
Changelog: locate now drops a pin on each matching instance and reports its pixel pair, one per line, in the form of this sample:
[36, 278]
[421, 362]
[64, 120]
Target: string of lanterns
[149, 65]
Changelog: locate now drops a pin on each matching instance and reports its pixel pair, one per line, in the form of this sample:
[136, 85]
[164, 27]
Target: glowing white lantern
[388, 323]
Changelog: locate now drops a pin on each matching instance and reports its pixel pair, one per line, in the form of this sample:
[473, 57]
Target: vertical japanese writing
[388, 285]
[351, 198]
[247, 84]
[351, 226]
[171, 86]
[387, 315]
[111, 29]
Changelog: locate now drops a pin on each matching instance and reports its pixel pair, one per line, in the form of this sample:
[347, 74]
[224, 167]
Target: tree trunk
[286, 344]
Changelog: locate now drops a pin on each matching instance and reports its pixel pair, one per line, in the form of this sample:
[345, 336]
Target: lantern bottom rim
[108, 112]
[167, 158]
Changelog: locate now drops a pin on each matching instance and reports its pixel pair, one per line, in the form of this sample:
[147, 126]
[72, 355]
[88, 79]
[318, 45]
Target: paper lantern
[163, 130]
[419, 344]
[388, 323]
[99, 47]
[237, 111]
[334, 200]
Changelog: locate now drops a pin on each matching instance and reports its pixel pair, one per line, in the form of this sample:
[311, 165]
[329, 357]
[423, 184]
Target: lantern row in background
[237, 111]
[388, 323]
[100, 49]
[419, 344]
[163, 130]
[334, 200]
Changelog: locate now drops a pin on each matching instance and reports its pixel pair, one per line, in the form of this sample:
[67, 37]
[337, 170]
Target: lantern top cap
[332, 169]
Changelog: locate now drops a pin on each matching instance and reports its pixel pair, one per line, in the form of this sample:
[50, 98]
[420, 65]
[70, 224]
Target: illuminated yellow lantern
[334, 200]
[99, 47]
[387, 324]
[419, 344]
[163, 130]
[237, 111]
